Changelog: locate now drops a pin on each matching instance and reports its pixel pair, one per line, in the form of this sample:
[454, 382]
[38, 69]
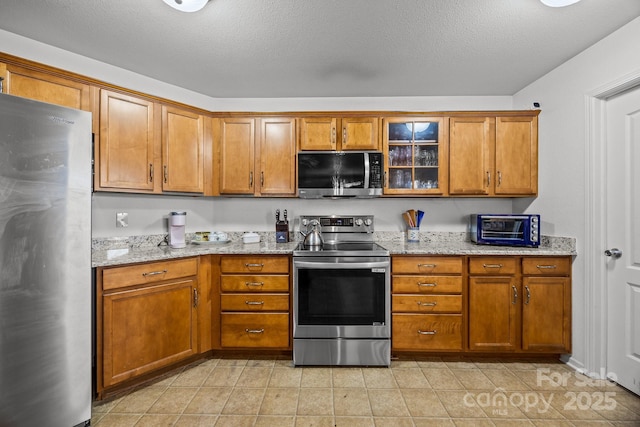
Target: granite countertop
[135, 249]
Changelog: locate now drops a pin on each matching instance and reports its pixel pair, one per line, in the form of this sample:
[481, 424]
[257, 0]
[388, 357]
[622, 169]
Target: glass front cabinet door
[416, 150]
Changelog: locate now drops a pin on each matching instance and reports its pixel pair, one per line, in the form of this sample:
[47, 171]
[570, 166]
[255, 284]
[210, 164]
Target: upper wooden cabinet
[340, 134]
[182, 151]
[493, 156]
[416, 155]
[148, 147]
[128, 144]
[45, 87]
[257, 156]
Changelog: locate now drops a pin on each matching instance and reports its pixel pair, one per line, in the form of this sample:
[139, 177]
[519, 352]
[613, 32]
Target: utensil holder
[413, 234]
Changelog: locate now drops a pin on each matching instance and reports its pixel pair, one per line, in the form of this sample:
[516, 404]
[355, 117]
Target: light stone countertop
[136, 249]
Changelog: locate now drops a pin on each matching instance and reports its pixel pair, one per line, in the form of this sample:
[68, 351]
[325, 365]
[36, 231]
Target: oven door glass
[499, 228]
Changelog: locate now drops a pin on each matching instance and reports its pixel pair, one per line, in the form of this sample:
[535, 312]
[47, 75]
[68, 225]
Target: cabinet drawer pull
[254, 331]
[427, 285]
[499, 178]
[526, 301]
[545, 267]
[254, 302]
[515, 295]
[427, 265]
[154, 273]
[166, 174]
[427, 304]
[254, 283]
[249, 265]
[250, 179]
[492, 265]
[195, 297]
[488, 179]
[150, 172]
[427, 332]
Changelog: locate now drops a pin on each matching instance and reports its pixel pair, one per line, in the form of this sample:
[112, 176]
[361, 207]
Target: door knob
[613, 252]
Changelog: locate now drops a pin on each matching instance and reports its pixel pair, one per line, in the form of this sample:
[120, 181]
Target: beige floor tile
[208, 400]
[261, 362]
[354, 422]
[505, 379]
[315, 401]
[523, 422]
[193, 377]
[315, 421]
[104, 406]
[393, 421]
[539, 379]
[552, 423]
[139, 401]
[173, 400]
[196, 421]
[119, 420]
[388, 403]
[244, 401]
[232, 361]
[254, 377]
[623, 397]
[236, 421]
[280, 401]
[410, 378]
[223, 376]
[379, 378]
[566, 404]
[473, 379]
[285, 377]
[488, 363]
[96, 417]
[473, 422]
[460, 404]
[459, 362]
[275, 420]
[433, 422]
[348, 377]
[442, 379]
[316, 377]
[404, 363]
[423, 403]
[351, 402]
[539, 405]
[157, 420]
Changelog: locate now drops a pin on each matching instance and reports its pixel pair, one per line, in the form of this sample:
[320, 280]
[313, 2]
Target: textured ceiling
[308, 48]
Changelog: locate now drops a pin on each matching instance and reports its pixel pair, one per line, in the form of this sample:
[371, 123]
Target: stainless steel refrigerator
[45, 264]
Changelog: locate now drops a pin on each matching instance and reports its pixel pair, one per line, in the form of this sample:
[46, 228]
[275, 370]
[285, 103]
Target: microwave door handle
[367, 170]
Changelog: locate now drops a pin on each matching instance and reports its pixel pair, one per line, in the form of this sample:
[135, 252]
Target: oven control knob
[368, 222]
[359, 222]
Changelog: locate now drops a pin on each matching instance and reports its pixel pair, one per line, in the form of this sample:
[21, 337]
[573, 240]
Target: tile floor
[412, 392]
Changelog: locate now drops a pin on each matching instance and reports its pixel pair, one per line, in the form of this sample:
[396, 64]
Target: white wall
[562, 134]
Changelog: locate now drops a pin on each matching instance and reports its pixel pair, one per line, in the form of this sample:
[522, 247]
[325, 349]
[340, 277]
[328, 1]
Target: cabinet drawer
[254, 302]
[427, 303]
[268, 330]
[254, 264]
[426, 265]
[426, 332]
[427, 284]
[546, 266]
[495, 266]
[120, 277]
[240, 283]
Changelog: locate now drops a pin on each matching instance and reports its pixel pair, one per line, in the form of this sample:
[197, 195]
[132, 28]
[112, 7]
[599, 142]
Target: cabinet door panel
[471, 141]
[318, 133]
[546, 314]
[516, 155]
[127, 142]
[47, 88]
[493, 313]
[237, 156]
[360, 133]
[147, 329]
[278, 156]
[182, 151]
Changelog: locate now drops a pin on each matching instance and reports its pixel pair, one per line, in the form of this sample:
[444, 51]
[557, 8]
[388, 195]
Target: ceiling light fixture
[187, 5]
[558, 3]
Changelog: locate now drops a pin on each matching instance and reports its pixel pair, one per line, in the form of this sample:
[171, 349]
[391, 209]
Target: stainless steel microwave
[505, 229]
[336, 174]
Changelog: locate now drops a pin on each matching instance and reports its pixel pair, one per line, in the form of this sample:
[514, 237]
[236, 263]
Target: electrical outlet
[122, 219]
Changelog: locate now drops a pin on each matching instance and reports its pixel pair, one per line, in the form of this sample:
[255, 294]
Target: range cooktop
[341, 249]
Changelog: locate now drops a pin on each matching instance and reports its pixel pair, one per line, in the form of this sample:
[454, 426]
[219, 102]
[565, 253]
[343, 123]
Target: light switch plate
[122, 219]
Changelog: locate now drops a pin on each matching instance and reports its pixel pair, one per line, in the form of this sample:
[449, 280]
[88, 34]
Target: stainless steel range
[341, 290]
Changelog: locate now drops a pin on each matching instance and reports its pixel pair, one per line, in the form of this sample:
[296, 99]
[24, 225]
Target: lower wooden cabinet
[254, 302]
[520, 304]
[146, 318]
[427, 303]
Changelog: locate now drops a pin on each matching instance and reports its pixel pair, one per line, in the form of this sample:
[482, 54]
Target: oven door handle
[340, 265]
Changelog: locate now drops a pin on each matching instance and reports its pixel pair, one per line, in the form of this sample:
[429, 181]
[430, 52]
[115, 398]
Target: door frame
[595, 274]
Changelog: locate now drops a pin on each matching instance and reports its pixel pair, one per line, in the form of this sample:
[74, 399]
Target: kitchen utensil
[313, 237]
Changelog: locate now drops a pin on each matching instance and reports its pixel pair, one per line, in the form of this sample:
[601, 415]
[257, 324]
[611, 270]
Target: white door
[623, 235]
